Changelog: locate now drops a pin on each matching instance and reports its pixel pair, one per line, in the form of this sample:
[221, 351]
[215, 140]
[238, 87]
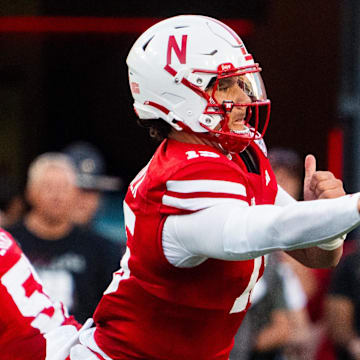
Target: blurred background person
[304, 287]
[99, 204]
[302, 341]
[342, 307]
[74, 263]
[12, 204]
[288, 169]
[308, 338]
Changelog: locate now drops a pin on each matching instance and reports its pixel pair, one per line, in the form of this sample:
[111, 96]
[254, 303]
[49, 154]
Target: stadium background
[63, 76]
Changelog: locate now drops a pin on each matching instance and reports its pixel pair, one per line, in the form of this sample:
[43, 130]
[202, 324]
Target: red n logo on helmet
[180, 53]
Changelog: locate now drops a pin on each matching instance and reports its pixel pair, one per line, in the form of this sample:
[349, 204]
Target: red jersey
[26, 312]
[154, 310]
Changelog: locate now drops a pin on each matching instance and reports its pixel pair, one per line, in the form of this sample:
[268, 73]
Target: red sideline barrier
[68, 24]
[336, 152]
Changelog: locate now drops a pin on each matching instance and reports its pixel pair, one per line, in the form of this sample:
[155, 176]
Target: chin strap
[229, 142]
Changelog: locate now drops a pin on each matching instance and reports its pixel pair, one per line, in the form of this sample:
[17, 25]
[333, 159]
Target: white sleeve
[60, 340]
[237, 232]
[283, 198]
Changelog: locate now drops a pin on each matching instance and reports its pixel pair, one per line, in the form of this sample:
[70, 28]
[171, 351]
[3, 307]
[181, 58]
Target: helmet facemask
[257, 108]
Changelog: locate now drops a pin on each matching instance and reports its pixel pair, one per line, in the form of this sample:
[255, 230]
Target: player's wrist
[333, 244]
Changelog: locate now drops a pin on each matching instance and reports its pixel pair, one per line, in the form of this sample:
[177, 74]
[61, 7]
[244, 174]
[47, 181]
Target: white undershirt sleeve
[283, 198]
[239, 232]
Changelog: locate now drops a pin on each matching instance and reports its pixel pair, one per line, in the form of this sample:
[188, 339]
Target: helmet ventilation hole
[147, 43]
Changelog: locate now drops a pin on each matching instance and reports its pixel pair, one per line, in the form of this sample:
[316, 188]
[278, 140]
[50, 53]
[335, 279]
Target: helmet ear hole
[210, 121]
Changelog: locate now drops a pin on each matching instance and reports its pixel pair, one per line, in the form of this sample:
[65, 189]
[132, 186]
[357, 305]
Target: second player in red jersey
[28, 315]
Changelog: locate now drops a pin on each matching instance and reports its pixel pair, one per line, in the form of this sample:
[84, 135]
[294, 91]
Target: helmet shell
[184, 43]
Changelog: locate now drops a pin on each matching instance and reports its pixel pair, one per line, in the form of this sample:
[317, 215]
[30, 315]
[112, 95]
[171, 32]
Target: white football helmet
[172, 64]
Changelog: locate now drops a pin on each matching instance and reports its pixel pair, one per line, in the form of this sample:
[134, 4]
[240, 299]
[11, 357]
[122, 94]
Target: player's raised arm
[236, 232]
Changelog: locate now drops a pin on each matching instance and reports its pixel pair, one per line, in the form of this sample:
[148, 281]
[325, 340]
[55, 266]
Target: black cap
[90, 166]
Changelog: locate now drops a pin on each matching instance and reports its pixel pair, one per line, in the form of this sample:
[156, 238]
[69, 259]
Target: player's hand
[320, 184]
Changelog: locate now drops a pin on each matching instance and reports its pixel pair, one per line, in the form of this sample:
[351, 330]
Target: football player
[206, 209]
[32, 326]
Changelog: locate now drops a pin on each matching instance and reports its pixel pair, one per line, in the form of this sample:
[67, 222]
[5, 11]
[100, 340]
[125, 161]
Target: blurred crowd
[61, 220]
[52, 220]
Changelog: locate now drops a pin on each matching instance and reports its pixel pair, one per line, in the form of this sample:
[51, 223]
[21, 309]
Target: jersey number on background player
[19, 282]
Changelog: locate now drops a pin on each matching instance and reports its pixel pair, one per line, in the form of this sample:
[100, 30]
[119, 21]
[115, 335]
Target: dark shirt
[75, 269]
[345, 282]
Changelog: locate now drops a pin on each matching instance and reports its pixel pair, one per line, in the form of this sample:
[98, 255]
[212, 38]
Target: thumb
[310, 167]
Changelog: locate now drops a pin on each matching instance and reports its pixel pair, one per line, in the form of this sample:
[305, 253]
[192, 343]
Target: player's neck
[45, 228]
